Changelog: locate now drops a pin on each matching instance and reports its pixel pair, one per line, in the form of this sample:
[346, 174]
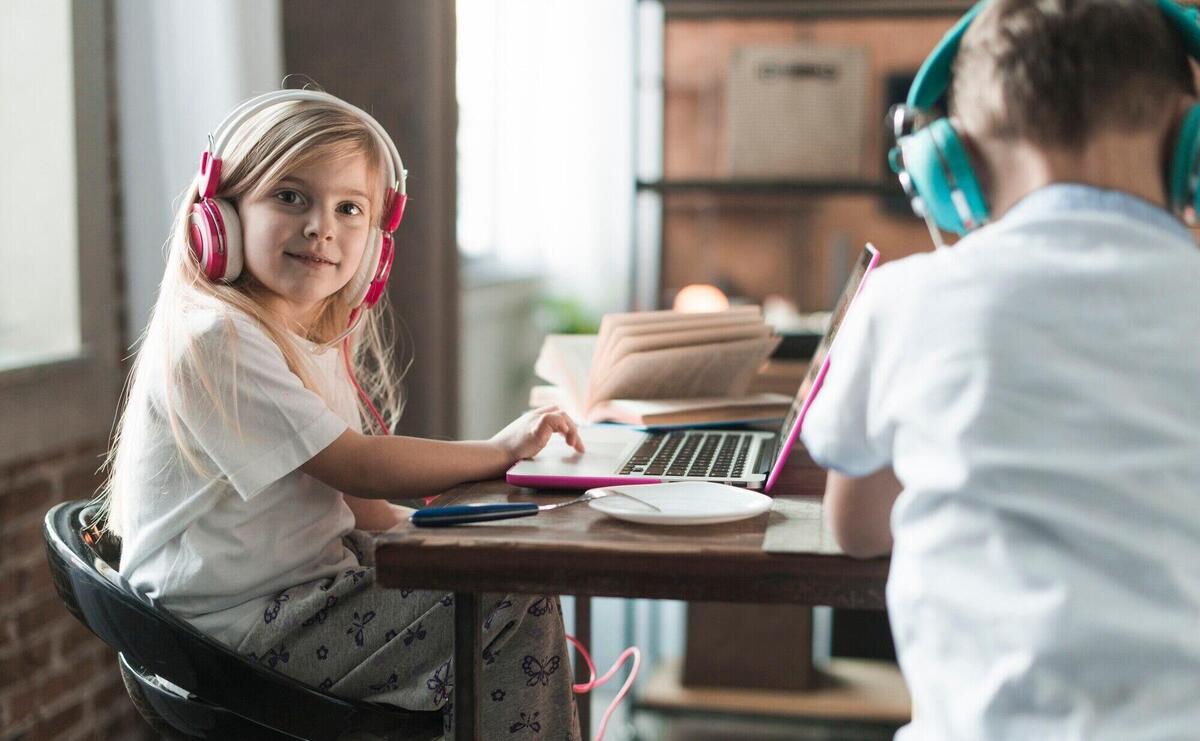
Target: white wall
[181, 66]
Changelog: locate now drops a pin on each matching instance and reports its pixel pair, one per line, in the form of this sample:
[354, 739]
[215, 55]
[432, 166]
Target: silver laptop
[753, 459]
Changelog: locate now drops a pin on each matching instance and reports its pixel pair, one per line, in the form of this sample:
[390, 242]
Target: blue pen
[462, 514]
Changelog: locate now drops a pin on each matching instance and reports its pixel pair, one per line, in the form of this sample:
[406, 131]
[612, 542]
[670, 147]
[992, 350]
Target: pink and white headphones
[215, 233]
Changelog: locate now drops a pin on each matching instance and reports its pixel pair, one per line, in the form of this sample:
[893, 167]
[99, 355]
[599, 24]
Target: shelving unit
[804, 213]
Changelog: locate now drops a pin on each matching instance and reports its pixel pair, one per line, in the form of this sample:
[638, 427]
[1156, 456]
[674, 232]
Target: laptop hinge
[766, 456]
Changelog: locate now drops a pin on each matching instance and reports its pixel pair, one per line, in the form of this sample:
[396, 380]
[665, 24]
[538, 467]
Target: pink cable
[366, 399]
[593, 682]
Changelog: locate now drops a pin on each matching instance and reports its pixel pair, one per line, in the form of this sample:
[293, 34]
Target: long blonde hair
[266, 148]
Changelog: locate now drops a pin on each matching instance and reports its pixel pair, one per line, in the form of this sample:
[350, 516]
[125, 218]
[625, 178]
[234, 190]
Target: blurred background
[566, 158]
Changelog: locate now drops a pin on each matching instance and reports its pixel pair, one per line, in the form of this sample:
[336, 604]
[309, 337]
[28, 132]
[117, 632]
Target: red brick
[82, 480]
[76, 643]
[34, 496]
[19, 579]
[111, 693]
[20, 665]
[20, 540]
[44, 616]
[58, 725]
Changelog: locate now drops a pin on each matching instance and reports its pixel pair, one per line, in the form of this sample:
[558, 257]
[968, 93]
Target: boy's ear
[977, 159]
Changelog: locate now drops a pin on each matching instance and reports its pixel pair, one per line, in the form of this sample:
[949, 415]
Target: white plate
[683, 503]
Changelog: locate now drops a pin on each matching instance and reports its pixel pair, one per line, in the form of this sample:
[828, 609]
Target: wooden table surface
[577, 550]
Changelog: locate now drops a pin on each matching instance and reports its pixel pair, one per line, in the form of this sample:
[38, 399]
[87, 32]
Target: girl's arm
[376, 514]
[381, 467]
[858, 511]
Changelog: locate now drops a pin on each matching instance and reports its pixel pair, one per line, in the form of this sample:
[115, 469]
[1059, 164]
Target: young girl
[241, 481]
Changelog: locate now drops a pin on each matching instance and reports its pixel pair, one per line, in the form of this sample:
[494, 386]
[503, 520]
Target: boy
[1017, 418]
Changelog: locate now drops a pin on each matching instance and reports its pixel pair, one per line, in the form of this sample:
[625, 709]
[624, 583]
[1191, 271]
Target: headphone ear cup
[1182, 174]
[215, 237]
[233, 240]
[356, 290]
[940, 171]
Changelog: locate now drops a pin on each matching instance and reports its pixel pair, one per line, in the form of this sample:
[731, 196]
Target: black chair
[185, 684]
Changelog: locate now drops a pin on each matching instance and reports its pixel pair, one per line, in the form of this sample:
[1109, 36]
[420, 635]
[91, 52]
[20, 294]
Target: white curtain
[181, 66]
[546, 163]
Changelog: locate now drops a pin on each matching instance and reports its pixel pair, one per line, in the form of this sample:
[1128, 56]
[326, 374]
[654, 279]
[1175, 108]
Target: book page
[712, 369]
[627, 344]
[716, 409]
[672, 322]
[565, 360]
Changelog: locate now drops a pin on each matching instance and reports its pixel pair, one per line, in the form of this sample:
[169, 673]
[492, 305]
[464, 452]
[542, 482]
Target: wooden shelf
[848, 689]
[788, 186]
[808, 8]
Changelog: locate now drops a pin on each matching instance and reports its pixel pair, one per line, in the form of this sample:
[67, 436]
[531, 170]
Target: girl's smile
[311, 260]
[305, 235]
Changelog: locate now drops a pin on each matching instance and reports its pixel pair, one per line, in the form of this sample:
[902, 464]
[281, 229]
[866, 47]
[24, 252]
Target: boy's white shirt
[1036, 389]
[216, 549]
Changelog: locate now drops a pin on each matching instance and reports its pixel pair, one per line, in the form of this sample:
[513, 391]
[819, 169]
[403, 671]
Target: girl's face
[304, 237]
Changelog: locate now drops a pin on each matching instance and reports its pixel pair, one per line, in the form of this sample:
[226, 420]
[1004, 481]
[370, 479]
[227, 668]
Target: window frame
[63, 404]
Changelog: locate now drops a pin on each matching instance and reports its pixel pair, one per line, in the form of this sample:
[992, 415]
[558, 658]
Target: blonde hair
[269, 146]
[1055, 72]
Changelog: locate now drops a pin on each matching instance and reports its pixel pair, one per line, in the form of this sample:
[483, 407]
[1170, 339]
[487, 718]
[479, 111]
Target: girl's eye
[290, 197]
[350, 209]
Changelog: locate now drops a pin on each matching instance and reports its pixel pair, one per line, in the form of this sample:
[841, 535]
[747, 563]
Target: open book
[660, 368]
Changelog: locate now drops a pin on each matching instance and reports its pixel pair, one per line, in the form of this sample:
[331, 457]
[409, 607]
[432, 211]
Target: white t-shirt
[215, 548]
[1036, 389]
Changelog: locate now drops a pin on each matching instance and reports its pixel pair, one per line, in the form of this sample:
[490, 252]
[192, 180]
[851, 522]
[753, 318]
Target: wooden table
[576, 550]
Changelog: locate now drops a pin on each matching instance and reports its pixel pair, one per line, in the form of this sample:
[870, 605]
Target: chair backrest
[157, 642]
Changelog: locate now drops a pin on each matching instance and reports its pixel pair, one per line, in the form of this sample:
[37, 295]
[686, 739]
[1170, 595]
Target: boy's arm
[858, 511]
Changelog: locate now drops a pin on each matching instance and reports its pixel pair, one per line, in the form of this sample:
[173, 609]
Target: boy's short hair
[1055, 72]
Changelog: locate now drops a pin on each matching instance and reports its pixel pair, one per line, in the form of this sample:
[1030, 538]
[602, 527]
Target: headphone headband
[219, 138]
[934, 75]
[214, 231]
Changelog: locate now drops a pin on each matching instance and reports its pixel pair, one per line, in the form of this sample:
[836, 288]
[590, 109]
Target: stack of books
[661, 369]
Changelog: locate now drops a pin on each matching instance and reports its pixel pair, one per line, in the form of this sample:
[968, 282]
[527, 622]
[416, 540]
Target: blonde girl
[241, 482]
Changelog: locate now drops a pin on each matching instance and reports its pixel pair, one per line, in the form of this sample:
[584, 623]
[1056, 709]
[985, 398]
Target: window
[39, 248]
[545, 149]
[59, 365]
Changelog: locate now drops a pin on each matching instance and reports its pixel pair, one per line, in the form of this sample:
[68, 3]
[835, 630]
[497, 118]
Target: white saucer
[683, 503]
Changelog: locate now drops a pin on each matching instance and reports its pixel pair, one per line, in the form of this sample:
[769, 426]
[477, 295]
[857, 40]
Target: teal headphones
[932, 163]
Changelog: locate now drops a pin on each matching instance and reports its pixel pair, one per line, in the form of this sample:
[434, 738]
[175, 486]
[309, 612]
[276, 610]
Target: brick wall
[57, 680]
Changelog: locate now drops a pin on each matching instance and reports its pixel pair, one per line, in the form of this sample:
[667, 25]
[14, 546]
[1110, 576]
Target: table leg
[583, 633]
[468, 622]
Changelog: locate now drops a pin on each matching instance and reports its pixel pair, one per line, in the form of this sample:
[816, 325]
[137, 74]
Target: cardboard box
[797, 111]
[748, 646]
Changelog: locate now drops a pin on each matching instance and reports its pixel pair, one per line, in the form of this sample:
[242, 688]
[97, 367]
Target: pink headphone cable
[383, 428]
[362, 394]
[593, 682]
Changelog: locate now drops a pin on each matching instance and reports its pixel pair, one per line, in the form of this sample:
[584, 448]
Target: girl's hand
[530, 432]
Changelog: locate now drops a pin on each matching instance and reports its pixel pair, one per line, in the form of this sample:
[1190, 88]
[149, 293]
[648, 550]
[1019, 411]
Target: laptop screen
[817, 367]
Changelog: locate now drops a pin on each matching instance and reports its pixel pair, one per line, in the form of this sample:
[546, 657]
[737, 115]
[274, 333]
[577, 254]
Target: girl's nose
[319, 228]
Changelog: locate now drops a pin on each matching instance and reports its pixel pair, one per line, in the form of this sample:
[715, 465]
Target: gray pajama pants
[394, 646]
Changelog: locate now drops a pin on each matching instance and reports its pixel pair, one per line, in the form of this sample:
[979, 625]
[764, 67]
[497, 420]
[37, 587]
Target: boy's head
[1097, 92]
[1055, 73]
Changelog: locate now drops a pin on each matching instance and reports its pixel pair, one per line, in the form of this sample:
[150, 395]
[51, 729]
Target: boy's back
[1036, 389]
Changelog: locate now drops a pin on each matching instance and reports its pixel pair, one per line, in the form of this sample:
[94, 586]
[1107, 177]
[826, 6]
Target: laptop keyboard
[719, 455]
